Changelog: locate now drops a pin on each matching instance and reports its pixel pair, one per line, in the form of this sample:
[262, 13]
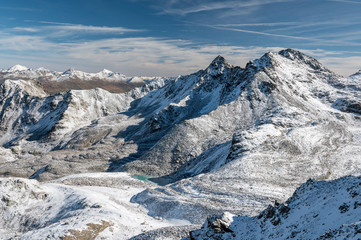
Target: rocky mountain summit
[225, 138]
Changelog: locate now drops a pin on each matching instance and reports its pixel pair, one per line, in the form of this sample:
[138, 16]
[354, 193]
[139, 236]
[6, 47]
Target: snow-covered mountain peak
[42, 69]
[106, 71]
[218, 65]
[17, 68]
[219, 61]
[299, 57]
[104, 74]
[291, 53]
[67, 72]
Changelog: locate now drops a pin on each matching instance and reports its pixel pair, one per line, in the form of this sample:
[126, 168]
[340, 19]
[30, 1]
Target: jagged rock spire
[219, 62]
[218, 65]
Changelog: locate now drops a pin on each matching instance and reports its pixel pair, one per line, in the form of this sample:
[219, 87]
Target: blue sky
[172, 37]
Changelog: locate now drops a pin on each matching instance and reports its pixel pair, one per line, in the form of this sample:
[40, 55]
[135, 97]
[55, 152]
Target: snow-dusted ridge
[225, 138]
[317, 210]
[22, 72]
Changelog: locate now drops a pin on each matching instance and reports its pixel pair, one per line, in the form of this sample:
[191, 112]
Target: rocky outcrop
[317, 210]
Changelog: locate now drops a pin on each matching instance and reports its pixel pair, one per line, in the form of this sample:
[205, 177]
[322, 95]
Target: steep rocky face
[274, 93]
[281, 127]
[35, 124]
[317, 210]
[28, 113]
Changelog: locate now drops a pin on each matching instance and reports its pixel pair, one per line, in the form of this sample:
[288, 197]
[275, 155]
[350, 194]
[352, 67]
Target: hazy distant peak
[69, 71]
[18, 68]
[106, 71]
[357, 74]
[42, 69]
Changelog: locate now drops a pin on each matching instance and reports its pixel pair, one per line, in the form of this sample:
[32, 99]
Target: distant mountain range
[54, 82]
[224, 139]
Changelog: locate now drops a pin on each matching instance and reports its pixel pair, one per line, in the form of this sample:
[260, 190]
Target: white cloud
[26, 29]
[265, 33]
[56, 29]
[19, 9]
[347, 1]
[25, 43]
[142, 56]
[264, 24]
[71, 28]
[190, 7]
[342, 65]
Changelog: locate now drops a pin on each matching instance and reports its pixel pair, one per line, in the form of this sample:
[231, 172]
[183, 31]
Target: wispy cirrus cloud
[131, 56]
[63, 29]
[264, 33]
[177, 7]
[26, 29]
[346, 1]
[263, 24]
[301, 27]
[20, 43]
[89, 29]
[296, 30]
[19, 9]
[141, 55]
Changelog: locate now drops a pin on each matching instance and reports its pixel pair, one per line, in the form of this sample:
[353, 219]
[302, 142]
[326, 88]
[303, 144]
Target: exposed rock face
[317, 210]
[34, 125]
[276, 126]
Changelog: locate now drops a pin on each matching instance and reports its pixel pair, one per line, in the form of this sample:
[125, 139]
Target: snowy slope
[99, 208]
[317, 210]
